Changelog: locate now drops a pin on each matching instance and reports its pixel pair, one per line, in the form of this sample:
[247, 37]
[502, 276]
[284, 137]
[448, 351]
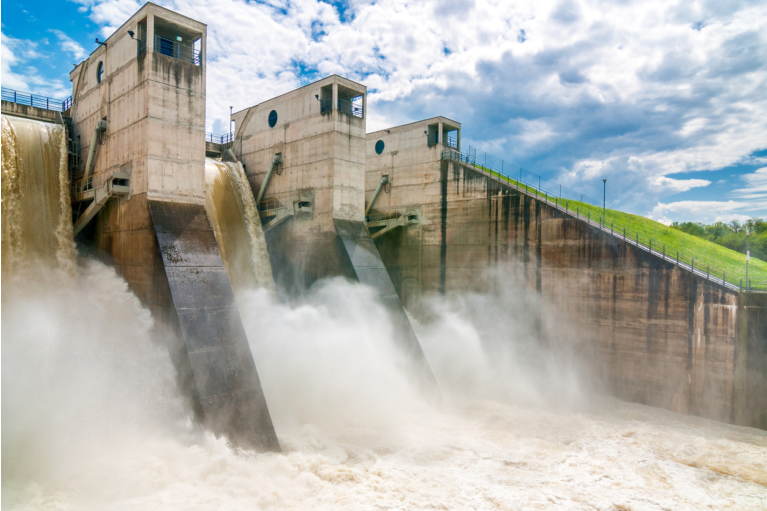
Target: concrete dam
[225, 241]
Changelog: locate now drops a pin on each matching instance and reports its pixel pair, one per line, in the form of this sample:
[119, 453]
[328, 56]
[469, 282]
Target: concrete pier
[316, 192]
[150, 90]
[322, 151]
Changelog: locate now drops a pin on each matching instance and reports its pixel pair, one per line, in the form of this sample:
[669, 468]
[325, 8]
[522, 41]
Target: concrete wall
[155, 109]
[29, 112]
[323, 156]
[651, 332]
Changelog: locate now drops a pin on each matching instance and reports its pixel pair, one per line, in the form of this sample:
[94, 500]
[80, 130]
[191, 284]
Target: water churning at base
[233, 214]
[37, 215]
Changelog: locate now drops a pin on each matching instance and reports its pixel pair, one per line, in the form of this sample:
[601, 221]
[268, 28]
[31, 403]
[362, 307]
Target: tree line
[731, 235]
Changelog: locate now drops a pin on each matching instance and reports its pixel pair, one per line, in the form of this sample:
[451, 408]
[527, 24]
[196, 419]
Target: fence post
[708, 270]
[651, 245]
[692, 265]
[624, 234]
[14, 96]
[741, 285]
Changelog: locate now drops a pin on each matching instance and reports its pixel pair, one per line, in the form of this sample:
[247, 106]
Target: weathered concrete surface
[154, 106]
[323, 155]
[221, 363]
[155, 109]
[370, 270]
[650, 331]
[28, 112]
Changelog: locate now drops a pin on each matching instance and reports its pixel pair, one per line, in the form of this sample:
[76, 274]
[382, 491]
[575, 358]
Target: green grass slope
[707, 255]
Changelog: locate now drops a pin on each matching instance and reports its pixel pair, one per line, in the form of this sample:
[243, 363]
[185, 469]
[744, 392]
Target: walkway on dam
[625, 234]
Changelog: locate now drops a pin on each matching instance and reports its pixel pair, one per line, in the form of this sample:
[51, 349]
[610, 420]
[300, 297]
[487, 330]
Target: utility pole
[604, 200]
[230, 119]
[748, 255]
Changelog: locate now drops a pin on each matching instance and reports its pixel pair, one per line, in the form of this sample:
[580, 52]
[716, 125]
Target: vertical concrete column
[439, 133]
[459, 140]
[365, 106]
[335, 98]
[150, 33]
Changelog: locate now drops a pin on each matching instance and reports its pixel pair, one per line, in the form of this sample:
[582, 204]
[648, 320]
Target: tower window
[380, 146]
[272, 118]
[100, 72]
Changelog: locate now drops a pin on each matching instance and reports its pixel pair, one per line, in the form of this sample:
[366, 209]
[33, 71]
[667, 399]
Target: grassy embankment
[706, 254]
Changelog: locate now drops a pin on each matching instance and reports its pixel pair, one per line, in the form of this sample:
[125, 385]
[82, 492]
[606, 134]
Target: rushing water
[36, 212]
[234, 217]
[92, 419]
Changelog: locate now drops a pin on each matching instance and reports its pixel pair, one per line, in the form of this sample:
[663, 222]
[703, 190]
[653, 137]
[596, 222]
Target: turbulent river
[92, 418]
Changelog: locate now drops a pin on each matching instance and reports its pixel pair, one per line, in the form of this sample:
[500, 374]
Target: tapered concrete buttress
[222, 365]
[370, 270]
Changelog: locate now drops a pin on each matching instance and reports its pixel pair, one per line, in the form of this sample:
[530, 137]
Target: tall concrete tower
[304, 154]
[317, 133]
[139, 113]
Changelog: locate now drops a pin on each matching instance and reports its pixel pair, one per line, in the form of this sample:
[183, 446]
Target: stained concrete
[221, 363]
[323, 155]
[649, 331]
[158, 238]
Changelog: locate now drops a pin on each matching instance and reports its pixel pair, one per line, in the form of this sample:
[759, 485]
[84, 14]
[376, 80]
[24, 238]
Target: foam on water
[108, 432]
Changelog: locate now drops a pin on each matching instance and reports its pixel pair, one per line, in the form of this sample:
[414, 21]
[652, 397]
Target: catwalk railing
[219, 139]
[36, 100]
[582, 207]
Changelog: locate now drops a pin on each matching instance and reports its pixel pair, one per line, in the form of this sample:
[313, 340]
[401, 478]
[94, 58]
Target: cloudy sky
[667, 100]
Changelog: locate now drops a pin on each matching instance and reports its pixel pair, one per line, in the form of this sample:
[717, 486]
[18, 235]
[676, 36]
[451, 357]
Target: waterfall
[233, 215]
[36, 209]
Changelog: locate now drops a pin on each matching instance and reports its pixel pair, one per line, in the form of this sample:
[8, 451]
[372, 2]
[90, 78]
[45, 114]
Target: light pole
[230, 119]
[604, 201]
[748, 255]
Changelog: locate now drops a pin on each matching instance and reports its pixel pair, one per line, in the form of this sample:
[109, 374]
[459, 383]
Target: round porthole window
[272, 118]
[380, 146]
[100, 72]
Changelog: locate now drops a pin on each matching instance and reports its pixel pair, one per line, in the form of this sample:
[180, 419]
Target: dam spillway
[231, 208]
[376, 275]
[37, 221]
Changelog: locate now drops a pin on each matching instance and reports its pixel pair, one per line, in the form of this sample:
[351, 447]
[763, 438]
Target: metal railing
[35, 100]
[349, 107]
[176, 50]
[219, 139]
[561, 198]
[269, 204]
[447, 141]
[85, 184]
[326, 105]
